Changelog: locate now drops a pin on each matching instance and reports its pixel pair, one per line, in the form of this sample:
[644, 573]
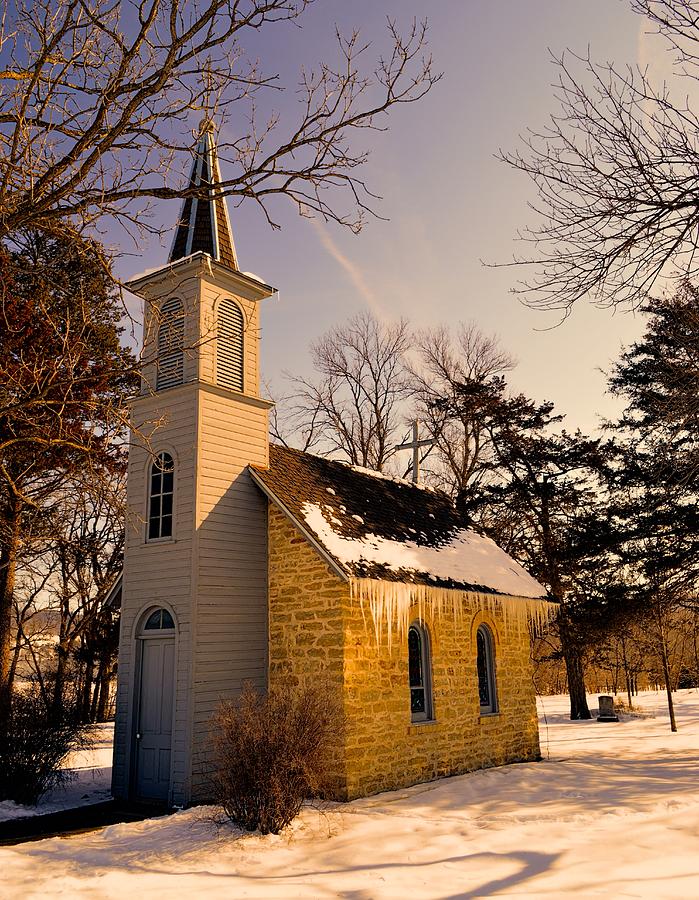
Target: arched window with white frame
[485, 663]
[170, 344]
[419, 673]
[230, 346]
[160, 498]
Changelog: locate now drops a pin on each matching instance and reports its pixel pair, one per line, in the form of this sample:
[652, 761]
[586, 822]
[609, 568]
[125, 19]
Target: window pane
[167, 504]
[154, 528]
[166, 462]
[154, 620]
[167, 620]
[155, 481]
[417, 700]
[483, 665]
[167, 483]
[414, 658]
[155, 507]
[166, 528]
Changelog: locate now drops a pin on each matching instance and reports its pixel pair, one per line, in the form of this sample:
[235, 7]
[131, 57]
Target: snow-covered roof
[389, 529]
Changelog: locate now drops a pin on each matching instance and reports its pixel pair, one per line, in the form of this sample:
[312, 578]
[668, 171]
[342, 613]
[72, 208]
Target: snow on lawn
[90, 782]
[613, 810]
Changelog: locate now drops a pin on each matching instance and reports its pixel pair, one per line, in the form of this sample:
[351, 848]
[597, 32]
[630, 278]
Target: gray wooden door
[154, 730]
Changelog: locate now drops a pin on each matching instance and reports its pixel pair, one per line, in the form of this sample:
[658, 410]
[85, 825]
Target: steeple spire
[204, 224]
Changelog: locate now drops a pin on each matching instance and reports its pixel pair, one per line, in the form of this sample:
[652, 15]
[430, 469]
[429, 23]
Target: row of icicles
[394, 605]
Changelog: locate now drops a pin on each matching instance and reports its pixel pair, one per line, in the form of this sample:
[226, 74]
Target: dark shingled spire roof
[203, 225]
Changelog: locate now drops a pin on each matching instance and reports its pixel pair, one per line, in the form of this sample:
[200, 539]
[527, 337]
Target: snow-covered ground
[90, 780]
[613, 810]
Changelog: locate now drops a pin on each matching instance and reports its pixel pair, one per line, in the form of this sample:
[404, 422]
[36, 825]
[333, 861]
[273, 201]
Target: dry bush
[272, 751]
[622, 708]
[33, 747]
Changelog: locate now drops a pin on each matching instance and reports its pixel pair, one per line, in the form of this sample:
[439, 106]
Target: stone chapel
[247, 561]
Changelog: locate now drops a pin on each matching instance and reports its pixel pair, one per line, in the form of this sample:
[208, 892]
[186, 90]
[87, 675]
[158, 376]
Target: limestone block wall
[386, 750]
[317, 632]
[308, 604]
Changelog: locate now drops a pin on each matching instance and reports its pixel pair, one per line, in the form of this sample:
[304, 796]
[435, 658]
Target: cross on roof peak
[415, 445]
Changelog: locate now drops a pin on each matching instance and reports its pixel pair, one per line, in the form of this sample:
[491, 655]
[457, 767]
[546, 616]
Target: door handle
[138, 736]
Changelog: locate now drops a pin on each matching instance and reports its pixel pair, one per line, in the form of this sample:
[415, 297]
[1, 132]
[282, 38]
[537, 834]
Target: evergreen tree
[541, 502]
[64, 380]
[656, 479]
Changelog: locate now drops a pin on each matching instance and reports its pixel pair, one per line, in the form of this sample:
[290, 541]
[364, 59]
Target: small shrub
[622, 708]
[272, 752]
[33, 747]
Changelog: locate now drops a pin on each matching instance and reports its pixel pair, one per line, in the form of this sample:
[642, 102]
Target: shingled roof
[203, 224]
[376, 527]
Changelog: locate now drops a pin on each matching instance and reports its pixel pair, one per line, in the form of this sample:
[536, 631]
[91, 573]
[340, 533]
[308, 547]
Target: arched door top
[159, 620]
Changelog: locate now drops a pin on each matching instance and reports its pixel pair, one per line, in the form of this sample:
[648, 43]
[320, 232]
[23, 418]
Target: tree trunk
[576, 686]
[59, 685]
[576, 674]
[627, 674]
[88, 701]
[666, 670]
[95, 704]
[8, 568]
[15, 657]
[101, 698]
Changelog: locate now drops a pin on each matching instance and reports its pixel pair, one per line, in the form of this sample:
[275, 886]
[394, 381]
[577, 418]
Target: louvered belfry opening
[170, 345]
[229, 351]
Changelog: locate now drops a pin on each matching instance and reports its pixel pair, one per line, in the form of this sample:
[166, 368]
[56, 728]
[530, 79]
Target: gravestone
[606, 709]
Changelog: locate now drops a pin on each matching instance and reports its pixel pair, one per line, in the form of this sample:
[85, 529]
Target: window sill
[489, 715]
[151, 541]
[424, 724]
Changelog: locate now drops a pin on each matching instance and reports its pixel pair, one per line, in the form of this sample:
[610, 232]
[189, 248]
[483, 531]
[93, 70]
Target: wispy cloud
[355, 274]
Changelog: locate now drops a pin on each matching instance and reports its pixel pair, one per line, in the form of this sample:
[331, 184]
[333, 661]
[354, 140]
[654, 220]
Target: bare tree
[445, 363]
[617, 175]
[32, 620]
[88, 549]
[355, 406]
[97, 101]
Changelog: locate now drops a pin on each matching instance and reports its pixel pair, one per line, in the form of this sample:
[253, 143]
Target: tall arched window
[419, 672]
[229, 350]
[485, 661]
[162, 488]
[171, 344]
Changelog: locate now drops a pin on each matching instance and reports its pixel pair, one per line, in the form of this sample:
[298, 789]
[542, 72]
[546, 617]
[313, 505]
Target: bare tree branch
[461, 445]
[354, 408]
[98, 97]
[616, 172]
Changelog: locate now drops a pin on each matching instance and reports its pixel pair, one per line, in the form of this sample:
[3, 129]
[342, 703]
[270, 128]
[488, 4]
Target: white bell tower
[194, 596]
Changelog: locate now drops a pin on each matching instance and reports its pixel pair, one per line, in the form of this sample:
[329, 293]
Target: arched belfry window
[229, 350]
[162, 489]
[485, 661]
[171, 344]
[419, 673]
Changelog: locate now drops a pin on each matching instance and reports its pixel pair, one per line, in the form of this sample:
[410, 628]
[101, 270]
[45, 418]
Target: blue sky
[449, 203]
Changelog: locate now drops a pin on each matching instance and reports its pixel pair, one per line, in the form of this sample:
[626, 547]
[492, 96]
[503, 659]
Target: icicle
[390, 603]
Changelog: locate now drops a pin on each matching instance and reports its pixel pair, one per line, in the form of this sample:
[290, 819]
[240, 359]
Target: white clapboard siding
[231, 557]
[159, 573]
[202, 344]
[230, 346]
